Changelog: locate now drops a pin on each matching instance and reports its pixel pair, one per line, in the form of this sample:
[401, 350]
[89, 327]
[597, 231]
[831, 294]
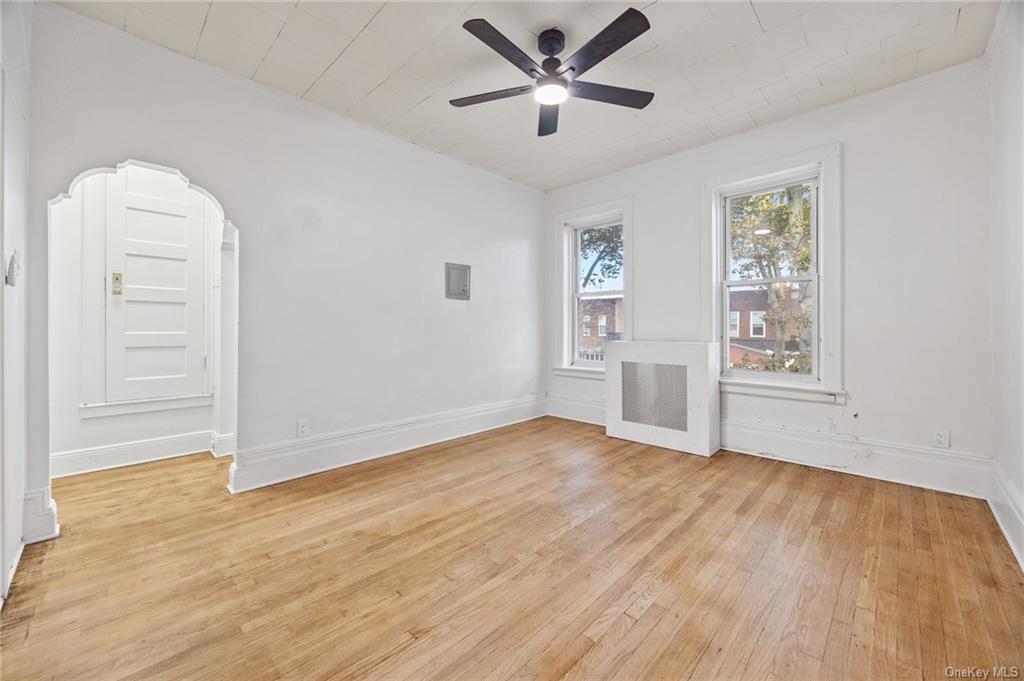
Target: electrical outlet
[940, 438]
[302, 428]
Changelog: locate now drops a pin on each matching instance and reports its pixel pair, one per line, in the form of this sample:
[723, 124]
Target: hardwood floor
[539, 551]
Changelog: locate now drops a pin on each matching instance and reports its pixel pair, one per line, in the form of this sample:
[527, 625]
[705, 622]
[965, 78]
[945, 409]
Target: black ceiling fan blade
[493, 38]
[491, 96]
[636, 99]
[548, 122]
[615, 35]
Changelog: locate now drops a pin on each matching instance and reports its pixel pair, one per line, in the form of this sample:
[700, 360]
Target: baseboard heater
[663, 394]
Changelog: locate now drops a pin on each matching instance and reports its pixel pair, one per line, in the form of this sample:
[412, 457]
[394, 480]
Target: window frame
[619, 211]
[729, 323]
[602, 326]
[826, 381]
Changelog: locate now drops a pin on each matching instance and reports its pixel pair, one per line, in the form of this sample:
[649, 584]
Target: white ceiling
[716, 68]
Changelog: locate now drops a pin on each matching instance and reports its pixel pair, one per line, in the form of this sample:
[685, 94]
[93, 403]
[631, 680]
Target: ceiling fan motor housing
[551, 42]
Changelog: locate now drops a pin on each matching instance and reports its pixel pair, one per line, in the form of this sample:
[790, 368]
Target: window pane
[599, 267]
[600, 320]
[771, 234]
[776, 329]
[734, 324]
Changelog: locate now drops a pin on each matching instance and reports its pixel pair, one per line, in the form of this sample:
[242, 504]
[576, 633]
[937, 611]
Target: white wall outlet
[940, 438]
[302, 428]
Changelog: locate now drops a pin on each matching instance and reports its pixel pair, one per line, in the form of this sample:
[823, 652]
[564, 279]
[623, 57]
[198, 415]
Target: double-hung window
[597, 266]
[770, 252]
[775, 247]
[770, 248]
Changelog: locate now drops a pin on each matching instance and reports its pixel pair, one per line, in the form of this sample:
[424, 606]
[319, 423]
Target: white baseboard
[270, 464]
[1007, 504]
[224, 445]
[576, 409]
[929, 467]
[943, 470]
[40, 519]
[92, 459]
[10, 573]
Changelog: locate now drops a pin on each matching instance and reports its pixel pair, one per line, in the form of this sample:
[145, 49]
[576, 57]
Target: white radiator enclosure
[663, 394]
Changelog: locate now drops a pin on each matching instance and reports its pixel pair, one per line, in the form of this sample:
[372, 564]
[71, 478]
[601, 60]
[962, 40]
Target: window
[597, 265]
[771, 270]
[775, 244]
[734, 323]
[756, 323]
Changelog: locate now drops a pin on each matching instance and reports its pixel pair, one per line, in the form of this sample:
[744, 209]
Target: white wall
[1006, 56]
[345, 233]
[917, 293]
[17, 32]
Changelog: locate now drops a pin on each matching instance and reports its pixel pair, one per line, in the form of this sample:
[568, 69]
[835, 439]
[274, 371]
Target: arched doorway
[143, 320]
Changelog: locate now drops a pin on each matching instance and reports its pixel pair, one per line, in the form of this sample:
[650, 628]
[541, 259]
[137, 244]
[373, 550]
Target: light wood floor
[538, 551]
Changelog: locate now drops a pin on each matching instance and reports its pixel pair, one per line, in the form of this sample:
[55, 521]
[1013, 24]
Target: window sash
[577, 235]
[727, 229]
[815, 374]
[578, 295]
[812, 278]
[576, 325]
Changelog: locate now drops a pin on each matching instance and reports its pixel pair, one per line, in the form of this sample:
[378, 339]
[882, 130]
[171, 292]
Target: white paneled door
[155, 288]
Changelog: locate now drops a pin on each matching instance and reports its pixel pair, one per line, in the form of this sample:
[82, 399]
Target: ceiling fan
[555, 80]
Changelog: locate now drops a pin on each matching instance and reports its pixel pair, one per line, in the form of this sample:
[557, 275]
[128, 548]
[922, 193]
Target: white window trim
[825, 163]
[620, 210]
[602, 326]
[764, 326]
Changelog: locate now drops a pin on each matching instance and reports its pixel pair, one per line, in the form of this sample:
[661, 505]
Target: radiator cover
[664, 394]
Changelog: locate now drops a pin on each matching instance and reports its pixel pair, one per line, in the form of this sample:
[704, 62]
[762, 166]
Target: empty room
[464, 341]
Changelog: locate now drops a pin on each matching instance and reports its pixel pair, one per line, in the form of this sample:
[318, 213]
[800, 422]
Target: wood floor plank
[543, 550]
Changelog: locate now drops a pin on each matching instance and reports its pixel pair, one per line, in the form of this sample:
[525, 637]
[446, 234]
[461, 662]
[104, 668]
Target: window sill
[592, 374]
[89, 411]
[790, 391]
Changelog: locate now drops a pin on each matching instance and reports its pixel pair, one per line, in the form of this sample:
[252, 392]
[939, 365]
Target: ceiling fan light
[551, 92]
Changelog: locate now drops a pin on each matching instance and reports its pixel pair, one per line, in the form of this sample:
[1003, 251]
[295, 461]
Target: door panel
[156, 323]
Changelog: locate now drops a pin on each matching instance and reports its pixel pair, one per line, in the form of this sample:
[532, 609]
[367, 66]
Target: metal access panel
[456, 281]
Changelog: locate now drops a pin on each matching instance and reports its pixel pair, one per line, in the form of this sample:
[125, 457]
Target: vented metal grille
[654, 394]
